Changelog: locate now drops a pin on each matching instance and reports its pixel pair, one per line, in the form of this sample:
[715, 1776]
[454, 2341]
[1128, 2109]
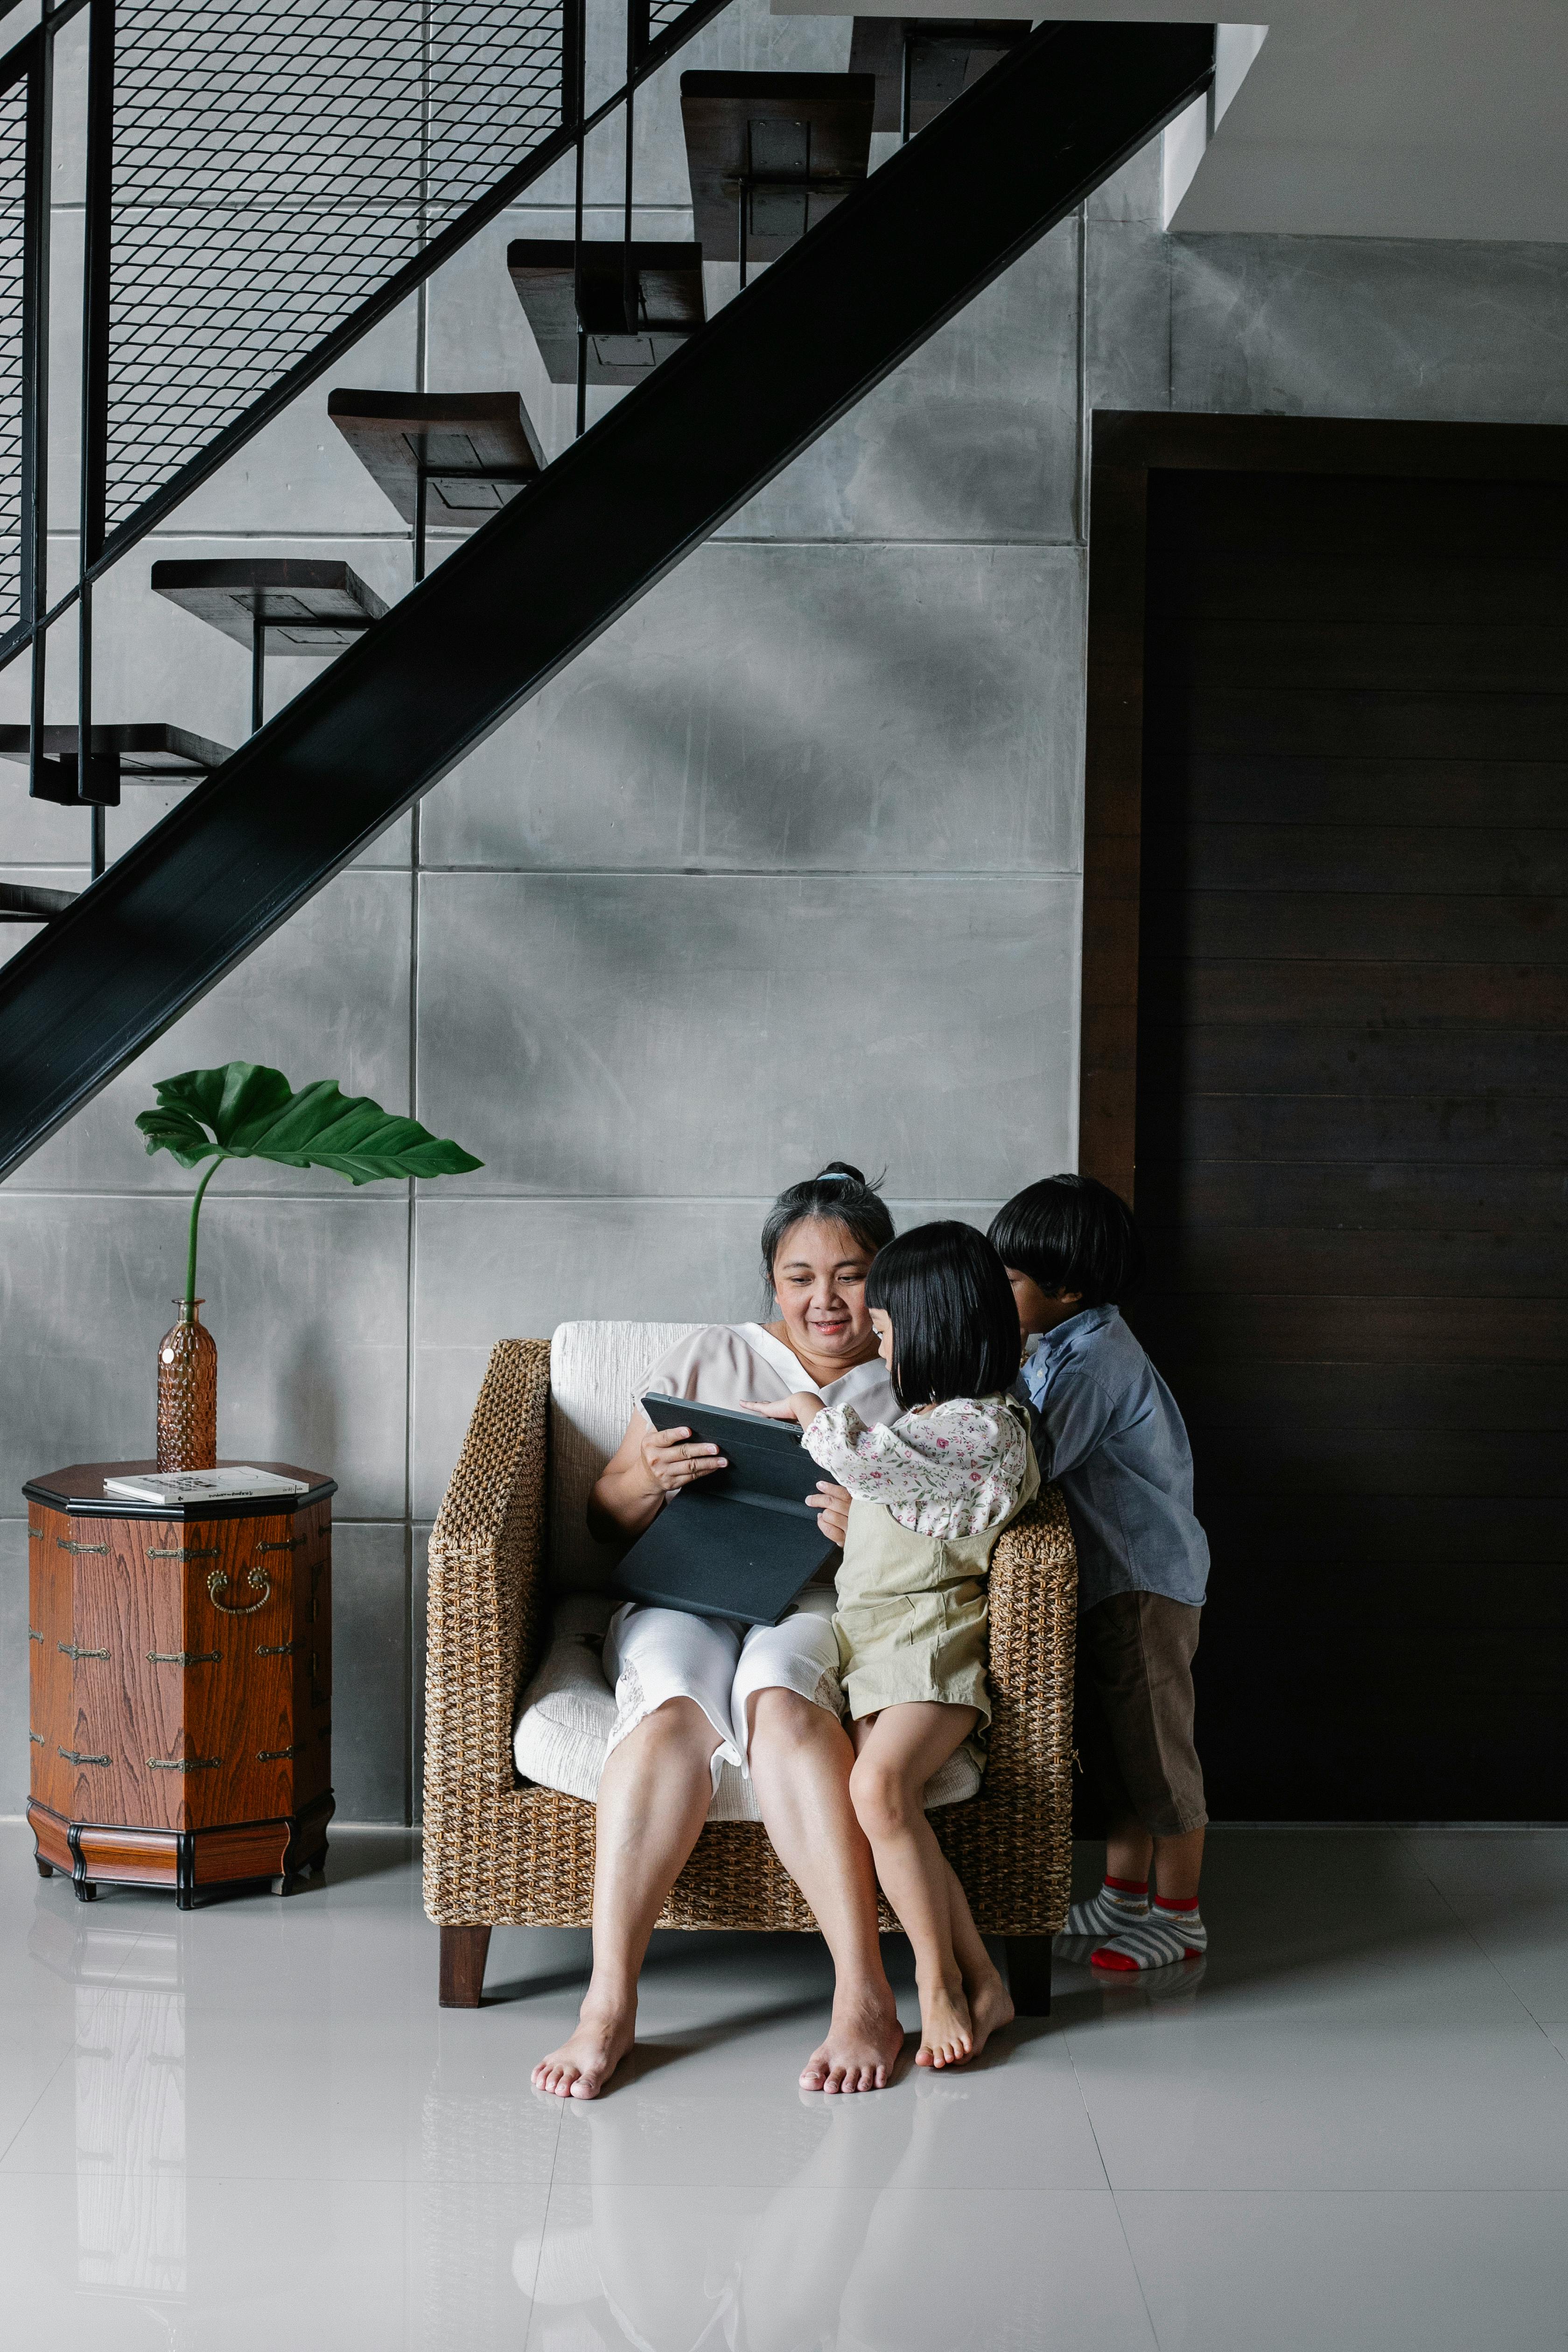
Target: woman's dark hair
[836, 1195]
[1071, 1233]
[955, 1327]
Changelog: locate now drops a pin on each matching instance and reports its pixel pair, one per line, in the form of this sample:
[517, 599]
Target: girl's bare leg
[653, 1800]
[990, 2002]
[897, 1752]
[800, 1759]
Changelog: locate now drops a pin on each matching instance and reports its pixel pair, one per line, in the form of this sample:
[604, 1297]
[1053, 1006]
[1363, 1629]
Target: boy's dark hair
[955, 1327]
[837, 1195]
[1071, 1233]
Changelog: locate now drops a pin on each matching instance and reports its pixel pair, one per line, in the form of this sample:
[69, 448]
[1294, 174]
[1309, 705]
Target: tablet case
[738, 1544]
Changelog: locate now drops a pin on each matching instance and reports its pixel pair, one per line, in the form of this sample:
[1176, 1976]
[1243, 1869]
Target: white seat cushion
[565, 1715]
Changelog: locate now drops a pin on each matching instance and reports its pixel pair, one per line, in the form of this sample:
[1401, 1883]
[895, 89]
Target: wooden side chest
[181, 1685]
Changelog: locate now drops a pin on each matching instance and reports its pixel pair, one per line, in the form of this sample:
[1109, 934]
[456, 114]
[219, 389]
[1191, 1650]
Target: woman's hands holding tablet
[673, 1458]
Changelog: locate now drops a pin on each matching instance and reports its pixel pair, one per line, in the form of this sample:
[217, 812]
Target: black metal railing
[261, 186]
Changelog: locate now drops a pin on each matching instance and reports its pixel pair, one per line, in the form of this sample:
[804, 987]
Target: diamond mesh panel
[273, 166]
[13, 160]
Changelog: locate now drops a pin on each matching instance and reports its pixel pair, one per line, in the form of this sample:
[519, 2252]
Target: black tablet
[741, 1542]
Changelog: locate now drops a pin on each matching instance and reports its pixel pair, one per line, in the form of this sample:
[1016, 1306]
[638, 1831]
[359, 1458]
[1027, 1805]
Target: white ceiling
[1371, 117]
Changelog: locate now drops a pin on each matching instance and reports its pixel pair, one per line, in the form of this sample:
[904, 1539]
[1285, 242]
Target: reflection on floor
[250, 2126]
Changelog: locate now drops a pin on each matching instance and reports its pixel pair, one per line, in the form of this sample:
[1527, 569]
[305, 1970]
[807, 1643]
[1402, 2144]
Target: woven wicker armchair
[497, 1850]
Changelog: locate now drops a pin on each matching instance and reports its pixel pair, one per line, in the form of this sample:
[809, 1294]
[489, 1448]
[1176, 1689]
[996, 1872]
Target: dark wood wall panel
[1377, 1196]
[1422, 793]
[1360, 724]
[1355, 926]
[1410, 992]
[1325, 1397]
[1471, 860]
[1346, 834]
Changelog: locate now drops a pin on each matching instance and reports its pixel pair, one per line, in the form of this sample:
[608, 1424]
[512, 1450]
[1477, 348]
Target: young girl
[932, 1491]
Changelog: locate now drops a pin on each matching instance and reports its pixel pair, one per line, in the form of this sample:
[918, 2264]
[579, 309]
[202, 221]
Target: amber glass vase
[188, 1392]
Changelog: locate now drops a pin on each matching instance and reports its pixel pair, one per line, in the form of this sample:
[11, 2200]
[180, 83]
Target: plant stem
[191, 1254]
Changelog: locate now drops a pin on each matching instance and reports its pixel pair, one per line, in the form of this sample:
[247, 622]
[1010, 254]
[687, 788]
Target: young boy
[1109, 1434]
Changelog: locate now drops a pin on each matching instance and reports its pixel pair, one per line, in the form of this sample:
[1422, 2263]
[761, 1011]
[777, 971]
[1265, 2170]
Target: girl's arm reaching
[803, 1407]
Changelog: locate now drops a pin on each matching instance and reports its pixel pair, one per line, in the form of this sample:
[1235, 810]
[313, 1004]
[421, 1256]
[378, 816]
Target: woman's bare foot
[586, 2059]
[862, 2047]
[947, 2031]
[990, 2008]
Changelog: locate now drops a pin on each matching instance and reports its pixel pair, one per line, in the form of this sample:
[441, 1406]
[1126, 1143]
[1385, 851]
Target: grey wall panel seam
[859, 877]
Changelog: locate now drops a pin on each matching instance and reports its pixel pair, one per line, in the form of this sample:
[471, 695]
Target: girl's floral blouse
[953, 1471]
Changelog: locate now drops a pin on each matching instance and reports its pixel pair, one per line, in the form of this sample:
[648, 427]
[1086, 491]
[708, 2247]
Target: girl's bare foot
[947, 2031]
[990, 2008]
[862, 2047]
[586, 2060]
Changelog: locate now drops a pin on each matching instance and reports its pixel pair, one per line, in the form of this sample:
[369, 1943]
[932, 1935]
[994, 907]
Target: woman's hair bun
[837, 1194]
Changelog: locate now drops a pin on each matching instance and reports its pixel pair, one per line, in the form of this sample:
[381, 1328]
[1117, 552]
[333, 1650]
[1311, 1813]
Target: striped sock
[1119, 1903]
[1172, 1931]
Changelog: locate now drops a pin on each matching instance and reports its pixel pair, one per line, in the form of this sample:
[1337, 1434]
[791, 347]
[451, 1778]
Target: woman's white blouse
[742, 1363]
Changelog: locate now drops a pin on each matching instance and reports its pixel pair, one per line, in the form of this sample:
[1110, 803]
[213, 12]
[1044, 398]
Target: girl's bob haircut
[1071, 1233]
[955, 1327]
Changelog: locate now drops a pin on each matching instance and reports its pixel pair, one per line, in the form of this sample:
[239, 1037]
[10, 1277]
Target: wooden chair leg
[1029, 1974]
[463, 1953]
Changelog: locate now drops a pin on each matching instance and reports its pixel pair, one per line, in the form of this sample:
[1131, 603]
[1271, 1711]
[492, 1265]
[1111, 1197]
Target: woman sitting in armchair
[693, 1692]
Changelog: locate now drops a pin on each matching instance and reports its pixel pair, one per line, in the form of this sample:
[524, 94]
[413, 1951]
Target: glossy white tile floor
[251, 2127]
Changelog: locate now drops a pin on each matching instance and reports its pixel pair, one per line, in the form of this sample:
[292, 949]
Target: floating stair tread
[25, 902]
[811, 133]
[948, 55]
[484, 437]
[309, 606]
[148, 754]
[669, 283]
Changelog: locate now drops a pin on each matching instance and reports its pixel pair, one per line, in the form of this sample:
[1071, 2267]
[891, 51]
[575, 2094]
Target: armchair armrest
[487, 1600]
[1034, 1624]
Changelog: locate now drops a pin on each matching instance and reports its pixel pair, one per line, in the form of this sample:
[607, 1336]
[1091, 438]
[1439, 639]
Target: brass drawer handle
[36, 1738]
[259, 1581]
[183, 1657]
[275, 1649]
[73, 1758]
[34, 1634]
[178, 1551]
[67, 1543]
[34, 1535]
[278, 1754]
[286, 1543]
[182, 1763]
[69, 1650]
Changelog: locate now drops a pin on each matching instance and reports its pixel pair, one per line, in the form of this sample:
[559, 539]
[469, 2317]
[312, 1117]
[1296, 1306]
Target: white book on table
[187, 1486]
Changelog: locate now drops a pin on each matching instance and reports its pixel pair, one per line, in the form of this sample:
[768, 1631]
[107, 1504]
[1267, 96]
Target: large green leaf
[245, 1111]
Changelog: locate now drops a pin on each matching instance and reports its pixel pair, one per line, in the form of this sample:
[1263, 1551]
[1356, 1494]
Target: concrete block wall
[785, 868]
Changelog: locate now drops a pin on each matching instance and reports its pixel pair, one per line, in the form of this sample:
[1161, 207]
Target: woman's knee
[783, 1720]
[683, 1720]
[678, 1727]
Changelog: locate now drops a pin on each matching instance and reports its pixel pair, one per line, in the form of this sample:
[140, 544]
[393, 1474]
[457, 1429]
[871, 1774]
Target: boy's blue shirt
[1108, 1431]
